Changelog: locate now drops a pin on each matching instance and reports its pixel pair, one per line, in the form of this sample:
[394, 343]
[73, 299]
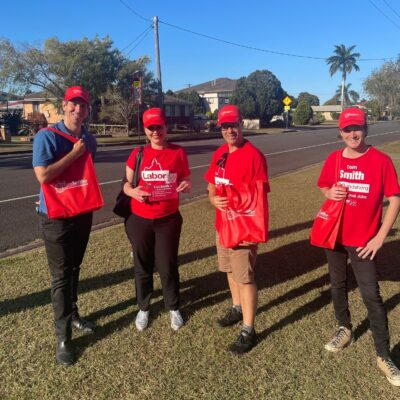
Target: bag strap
[61, 133]
[138, 162]
[338, 157]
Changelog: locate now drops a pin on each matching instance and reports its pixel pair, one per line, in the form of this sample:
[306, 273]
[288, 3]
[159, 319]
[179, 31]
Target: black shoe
[244, 343]
[232, 317]
[64, 354]
[83, 325]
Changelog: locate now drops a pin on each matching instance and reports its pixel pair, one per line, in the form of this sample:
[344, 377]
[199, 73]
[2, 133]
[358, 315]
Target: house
[216, 93]
[327, 110]
[41, 104]
[178, 112]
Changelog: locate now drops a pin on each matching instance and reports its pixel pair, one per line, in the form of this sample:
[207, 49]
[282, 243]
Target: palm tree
[349, 95]
[343, 60]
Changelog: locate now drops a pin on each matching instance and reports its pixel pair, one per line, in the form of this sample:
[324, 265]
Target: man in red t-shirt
[363, 176]
[236, 163]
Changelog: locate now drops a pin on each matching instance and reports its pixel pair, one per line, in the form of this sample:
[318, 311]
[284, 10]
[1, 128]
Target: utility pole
[157, 47]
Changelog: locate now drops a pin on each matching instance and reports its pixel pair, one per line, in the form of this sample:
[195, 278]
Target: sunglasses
[232, 125]
[154, 127]
[222, 161]
[352, 128]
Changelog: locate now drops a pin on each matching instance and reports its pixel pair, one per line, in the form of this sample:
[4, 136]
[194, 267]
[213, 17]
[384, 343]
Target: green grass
[295, 319]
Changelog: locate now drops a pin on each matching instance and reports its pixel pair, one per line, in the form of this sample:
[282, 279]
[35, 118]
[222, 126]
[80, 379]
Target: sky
[306, 31]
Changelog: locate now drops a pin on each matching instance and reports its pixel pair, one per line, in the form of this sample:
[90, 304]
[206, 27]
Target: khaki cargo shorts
[239, 261]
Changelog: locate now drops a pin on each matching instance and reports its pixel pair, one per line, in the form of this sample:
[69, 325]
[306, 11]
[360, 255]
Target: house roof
[214, 86]
[39, 96]
[175, 100]
[332, 108]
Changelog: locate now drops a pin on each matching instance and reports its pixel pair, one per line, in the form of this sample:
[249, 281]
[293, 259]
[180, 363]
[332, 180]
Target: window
[35, 106]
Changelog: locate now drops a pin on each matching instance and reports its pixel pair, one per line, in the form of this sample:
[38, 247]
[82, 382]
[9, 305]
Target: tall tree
[311, 99]
[259, 95]
[383, 85]
[57, 65]
[195, 99]
[344, 61]
[350, 96]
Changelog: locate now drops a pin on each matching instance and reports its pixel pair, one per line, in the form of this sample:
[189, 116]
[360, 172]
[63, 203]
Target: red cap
[352, 116]
[77, 92]
[229, 113]
[153, 116]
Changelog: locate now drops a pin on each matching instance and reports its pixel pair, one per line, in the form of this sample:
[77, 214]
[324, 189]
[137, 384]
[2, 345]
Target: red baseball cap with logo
[229, 113]
[77, 92]
[352, 116]
[153, 116]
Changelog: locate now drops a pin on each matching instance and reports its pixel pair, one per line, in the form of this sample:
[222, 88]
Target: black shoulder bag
[122, 206]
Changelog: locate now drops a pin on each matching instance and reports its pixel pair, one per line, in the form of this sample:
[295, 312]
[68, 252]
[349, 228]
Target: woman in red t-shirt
[363, 177]
[154, 227]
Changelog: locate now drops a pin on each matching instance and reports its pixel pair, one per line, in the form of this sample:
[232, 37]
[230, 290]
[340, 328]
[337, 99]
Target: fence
[104, 129]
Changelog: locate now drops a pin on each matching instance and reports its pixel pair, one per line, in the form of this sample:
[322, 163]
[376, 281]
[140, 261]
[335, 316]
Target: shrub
[335, 115]
[303, 113]
[12, 119]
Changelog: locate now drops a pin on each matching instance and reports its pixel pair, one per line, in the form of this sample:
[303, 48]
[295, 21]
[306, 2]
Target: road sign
[287, 101]
[287, 108]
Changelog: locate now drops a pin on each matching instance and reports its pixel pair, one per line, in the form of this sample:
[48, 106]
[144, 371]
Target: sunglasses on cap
[154, 127]
[233, 125]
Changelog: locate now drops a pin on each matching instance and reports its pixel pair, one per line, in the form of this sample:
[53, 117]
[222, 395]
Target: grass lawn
[295, 319]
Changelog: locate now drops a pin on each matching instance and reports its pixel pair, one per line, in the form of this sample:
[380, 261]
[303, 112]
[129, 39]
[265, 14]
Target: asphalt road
[285, 152]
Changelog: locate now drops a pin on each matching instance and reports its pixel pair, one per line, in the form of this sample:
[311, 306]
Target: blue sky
[303, 28]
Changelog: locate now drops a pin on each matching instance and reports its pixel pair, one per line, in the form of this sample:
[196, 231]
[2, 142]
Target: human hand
[336, 193]
[220, 202]
[79, 148]
[370, 249]
[184, 186]
[139, 194]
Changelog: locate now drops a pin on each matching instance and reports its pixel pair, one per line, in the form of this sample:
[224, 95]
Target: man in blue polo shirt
[65, 239]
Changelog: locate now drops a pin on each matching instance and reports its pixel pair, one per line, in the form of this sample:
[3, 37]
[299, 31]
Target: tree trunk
[342, 97]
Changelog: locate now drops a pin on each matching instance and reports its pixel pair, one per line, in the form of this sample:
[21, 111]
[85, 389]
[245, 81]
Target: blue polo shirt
[48, 147]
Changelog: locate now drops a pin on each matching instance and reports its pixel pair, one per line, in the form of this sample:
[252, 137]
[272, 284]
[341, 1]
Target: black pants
[365, 273]
[155, 244]
[65, 241]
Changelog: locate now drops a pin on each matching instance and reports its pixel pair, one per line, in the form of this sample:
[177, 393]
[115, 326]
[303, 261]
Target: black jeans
[365, 273]
[65, 242]
[155, 244]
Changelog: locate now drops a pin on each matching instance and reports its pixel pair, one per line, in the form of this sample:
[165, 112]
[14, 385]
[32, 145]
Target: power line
[387, 17]
[394, 11]
[134, 12]
[137, 38]
[141, 40]
[257, 48]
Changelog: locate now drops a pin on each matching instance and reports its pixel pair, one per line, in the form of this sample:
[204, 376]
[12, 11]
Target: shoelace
[339, 336]
[391, 367]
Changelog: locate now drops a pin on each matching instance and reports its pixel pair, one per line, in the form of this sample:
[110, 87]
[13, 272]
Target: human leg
[365, 273]
[141, 235]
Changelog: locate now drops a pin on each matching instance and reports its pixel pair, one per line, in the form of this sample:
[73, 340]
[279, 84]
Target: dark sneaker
[244, 343]
[83, 325]
[387, 366]
[343, 338]
[232, 317]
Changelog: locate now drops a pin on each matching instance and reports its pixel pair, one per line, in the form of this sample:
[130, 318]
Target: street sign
[287, 108]
[287, 101]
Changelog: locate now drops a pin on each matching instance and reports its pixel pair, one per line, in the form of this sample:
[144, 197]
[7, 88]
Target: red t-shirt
[160, 170]
[368, 178]
[246, 164]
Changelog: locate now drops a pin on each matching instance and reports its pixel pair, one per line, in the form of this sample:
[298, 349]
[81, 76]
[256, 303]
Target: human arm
[336, 192]
[135, 192]
[220, 202]
[372, 247]
[184, 185]
[47, 173]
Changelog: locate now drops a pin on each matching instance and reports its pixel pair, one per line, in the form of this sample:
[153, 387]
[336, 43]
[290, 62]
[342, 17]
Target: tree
[259, 95]
[344, 61]
[91, 63]
[118, 104]
[194, 98]
[374, 109]
[303, 113]
[350, 96]
[311, 99]
[383, 85]
[12, 119]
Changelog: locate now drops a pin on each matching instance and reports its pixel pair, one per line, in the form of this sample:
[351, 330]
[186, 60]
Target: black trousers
[365, 273]
[65, 242]
[155, 244]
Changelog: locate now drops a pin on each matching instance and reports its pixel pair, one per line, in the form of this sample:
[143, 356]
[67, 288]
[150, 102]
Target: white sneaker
[176, 320]
[387, 366]
[343, 338]
[142, 320]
